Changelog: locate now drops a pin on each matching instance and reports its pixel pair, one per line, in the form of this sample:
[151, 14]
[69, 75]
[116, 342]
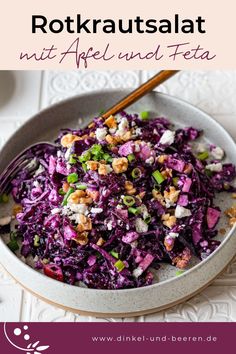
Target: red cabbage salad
[115, 200]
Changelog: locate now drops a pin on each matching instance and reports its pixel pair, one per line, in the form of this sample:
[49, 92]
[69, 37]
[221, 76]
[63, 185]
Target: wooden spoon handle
[140, 92]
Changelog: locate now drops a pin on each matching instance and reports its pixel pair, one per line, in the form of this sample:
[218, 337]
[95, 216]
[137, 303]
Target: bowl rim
[62, 285]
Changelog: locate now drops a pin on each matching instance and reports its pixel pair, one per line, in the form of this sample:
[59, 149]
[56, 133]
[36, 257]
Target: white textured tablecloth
[24, 93]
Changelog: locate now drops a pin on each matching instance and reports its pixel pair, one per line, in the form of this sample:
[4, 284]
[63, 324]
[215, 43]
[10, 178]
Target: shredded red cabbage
[117, 199]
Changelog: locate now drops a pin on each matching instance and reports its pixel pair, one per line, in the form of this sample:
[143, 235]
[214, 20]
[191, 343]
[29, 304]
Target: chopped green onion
[128, 200]
[134, 211]
[4, 198]
[144, 115]
[203, 155]
[84, 167]
[179, 272]
[107, 157]
[68, 193]
[81, 187]
[96, 149]
[136, 173]
[175, 181]
[148, 219]
[119, 265]
[114, 254]
[13, 245]
[72, 178]
[36, 241]
[131, 157]
[72, 160]
[86, 156]
[158, 176]
[61, 192]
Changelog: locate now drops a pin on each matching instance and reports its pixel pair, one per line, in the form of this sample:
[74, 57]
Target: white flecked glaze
[46, 125]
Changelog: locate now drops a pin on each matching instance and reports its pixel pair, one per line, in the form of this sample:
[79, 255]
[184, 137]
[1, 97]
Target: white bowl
[170, 289]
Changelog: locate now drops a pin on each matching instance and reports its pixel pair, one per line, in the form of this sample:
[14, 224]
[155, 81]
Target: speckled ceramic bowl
[169, 289]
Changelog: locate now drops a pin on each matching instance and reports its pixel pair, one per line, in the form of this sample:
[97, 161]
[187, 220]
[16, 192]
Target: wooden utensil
[140, 92]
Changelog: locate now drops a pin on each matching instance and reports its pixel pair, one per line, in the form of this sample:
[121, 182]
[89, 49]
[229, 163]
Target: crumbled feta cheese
[76, 217]
[137, 272]
[101, 133]
[181, 212]
[167, 138]
[109, 225]
[173, 234]
[200, 147]
[78, 208]
[55, 211]
[5, 220]
[217, 153]
[122, 127]
[140, 225]
[59, 153]
[214, 167]
[96, 210]
[144, 211]
[169, 203]
[112, 130]
[150, 160]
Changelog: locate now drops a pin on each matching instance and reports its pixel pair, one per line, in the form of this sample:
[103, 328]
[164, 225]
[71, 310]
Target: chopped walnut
[93, 194]
[169, 220]
[130, 190]
[167, 172]
[158, 196]
[120, 165]
[188, 169]
[111, 122]
[100, 241]
[162, 158]
[142, 194]
[172, 195]
[231, 213]
[82, 238]
[75, 197]
[127, 136]
[92, 165]
[85, 223]
[68, 139]
[113, 140]
[102, 170]
[86, 200]
[182, 261]
[222, 231]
